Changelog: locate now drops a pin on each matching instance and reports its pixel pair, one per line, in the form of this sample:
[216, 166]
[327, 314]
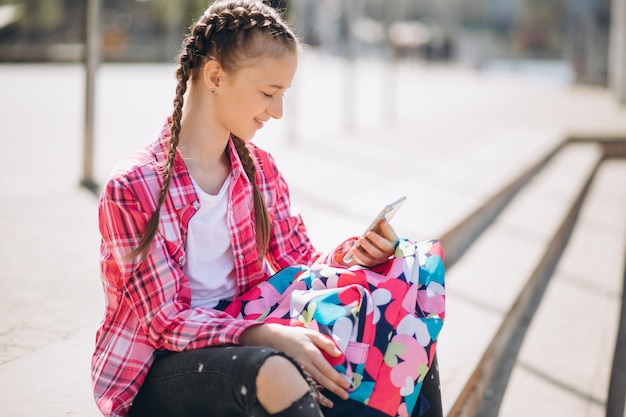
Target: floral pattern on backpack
[386, 320]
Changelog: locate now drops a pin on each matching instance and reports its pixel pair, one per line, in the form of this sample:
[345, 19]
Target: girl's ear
[211, 75]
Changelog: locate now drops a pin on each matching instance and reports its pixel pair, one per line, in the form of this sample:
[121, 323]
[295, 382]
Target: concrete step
[339, 184]
[53, 381]
[491, 284]
[570, 374]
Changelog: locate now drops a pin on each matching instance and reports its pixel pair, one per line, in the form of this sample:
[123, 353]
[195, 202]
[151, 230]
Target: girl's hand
[375, 248]
[305, 346]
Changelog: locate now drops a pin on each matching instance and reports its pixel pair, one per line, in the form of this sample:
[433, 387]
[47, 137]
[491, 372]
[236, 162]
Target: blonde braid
[183, 73]
[262, 219]
[224, 33]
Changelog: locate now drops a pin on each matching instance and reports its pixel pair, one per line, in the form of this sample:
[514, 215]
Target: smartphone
[387, 214]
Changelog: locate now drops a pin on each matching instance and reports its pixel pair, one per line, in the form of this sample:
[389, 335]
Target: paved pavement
[447, 136]
[547, 368]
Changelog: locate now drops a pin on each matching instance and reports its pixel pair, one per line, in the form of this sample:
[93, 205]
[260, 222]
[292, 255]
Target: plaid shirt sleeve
[154, 288]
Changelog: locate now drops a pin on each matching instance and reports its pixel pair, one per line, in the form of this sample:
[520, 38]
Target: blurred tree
[539, 29]
[575, 31]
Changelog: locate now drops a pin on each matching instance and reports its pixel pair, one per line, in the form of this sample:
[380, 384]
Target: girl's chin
[245, 136]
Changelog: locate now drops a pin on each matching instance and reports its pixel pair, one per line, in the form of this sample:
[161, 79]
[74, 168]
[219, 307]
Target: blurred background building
[567, 39]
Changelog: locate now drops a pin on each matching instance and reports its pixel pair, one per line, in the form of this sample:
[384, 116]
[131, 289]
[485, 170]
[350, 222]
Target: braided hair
[234, 33]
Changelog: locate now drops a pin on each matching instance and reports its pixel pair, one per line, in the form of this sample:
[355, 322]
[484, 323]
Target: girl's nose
[275, 109]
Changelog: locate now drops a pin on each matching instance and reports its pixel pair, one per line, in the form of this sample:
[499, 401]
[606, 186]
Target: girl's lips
[259, 123]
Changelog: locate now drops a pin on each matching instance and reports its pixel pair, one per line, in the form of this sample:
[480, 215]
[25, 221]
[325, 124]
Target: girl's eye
[268, 95]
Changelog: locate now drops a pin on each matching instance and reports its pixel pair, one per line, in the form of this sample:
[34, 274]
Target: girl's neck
[201, 137]
[203, 146]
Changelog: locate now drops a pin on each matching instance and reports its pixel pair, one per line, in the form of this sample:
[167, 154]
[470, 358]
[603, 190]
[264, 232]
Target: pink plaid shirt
[148, 303]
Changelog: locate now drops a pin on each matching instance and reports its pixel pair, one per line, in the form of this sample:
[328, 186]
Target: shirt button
[240, 257]
[196, 205]
[180, 260]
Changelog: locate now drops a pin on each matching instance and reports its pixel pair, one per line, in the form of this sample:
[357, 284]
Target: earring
[213, 91]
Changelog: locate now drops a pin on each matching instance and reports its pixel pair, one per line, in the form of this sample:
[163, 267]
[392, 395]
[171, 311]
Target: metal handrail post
[617, 50]
[92, 59]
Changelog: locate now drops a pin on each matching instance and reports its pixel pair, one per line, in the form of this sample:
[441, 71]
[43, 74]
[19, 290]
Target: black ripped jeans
[220, 381]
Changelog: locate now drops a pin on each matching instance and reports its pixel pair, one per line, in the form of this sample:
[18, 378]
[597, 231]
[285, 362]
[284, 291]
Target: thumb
[388, 232]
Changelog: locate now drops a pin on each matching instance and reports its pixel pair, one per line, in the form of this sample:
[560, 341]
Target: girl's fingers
[325, 344]
[376, 247]
[323, 372]
[325, 375]
[385, 239]
[388, 233]
[370, 253]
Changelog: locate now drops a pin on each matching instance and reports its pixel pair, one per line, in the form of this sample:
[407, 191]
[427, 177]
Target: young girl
[199, 217]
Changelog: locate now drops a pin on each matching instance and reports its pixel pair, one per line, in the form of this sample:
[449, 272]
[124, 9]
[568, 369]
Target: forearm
[259, 335]
[197, 329]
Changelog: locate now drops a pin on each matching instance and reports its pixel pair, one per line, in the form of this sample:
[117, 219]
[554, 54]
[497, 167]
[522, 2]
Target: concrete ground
[353, 139]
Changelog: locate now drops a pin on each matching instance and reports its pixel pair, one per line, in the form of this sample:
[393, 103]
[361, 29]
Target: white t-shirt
[210, 265]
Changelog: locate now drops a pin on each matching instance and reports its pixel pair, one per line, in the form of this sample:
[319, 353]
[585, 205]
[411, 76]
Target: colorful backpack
[385, 320]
